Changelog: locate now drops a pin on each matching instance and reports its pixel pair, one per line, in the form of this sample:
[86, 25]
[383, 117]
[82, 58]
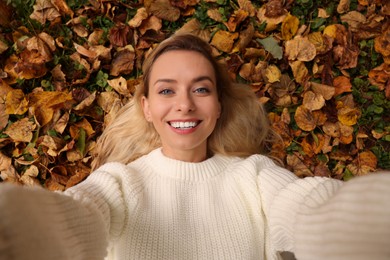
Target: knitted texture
[221, 208]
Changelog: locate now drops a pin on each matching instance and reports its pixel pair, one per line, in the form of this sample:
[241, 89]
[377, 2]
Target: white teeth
[183, 124]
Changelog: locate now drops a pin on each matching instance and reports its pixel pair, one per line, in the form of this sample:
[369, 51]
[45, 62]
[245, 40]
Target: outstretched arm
[39, 224]
[321, 218]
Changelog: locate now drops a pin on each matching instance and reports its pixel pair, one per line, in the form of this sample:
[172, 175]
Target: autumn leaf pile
[321, 67]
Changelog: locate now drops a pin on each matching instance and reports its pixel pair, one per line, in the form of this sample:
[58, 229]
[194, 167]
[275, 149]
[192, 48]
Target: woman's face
[182, 103]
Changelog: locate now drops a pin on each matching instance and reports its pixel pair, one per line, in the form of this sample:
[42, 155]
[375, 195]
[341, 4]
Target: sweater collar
[186, 171]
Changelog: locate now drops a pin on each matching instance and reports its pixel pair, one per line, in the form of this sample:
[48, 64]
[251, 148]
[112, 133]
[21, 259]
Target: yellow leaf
[331, 30]
[348, 116]
[289, 27]
[16, 103]
[273, 74]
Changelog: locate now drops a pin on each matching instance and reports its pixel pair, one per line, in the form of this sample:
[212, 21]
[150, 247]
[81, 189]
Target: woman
[177, 177]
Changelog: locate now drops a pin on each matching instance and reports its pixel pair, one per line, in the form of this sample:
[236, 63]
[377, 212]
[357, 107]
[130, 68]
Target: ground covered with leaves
[321, 67]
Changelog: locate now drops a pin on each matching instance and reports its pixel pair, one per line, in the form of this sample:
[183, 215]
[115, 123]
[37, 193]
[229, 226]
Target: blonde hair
[241, 130]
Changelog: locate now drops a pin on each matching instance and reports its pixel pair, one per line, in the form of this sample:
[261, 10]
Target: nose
[185, 103]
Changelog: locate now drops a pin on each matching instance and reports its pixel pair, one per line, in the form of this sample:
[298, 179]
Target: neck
[185, 156]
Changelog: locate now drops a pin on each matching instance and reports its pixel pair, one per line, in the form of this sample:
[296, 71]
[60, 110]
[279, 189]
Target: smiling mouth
[184, 125]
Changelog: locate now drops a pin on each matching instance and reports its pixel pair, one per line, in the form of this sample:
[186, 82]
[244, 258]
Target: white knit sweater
[222, 208]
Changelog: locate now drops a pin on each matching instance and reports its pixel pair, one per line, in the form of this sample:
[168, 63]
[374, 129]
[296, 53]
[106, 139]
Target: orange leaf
[235, 19]
[364, 163]
[342, 84]
[382, 43]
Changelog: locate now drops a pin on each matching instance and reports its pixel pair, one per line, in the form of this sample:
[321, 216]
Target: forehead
[181, 63]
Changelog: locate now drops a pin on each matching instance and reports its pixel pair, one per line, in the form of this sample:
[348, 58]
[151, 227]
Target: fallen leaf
[364, 163]
[164, 10]
[342, 84]
[354, 19]
[16, 102]
[300, 72]
[308, 120]
[235, 19]
[123, 62]
[300, 48]
[272, 46]
[324, 90]
[21, 130]
[273, 74]
[224, 40]
[313, 101]
[343, 6]
[348, 116]
[289, 27]
[247, 6]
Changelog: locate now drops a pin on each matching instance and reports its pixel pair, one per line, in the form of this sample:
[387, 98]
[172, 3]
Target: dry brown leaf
[364, 163]
[106, 100]
[16, 102]
[61, 123]
[86, 102]
[295, 162]
[322, 13]
[313, 101]
[235, 19]
[325, 90]
[7, 171]
[58, 78]
[272, 22]
[84, 51]
[354, 19]
[120, 35]
[300, 48]
[332, 129]
[289, 27]
[123, 61]
[224, 40]
[96, 37]
[3, 46]
[382, 43]
[44, 11]
[140, 16]
[247, 6]
[313, 146]
[379, 76]
[62, 7]
[343, 6]
[164, 10]
[21, 130]
[29, 177]
[3, 117]
[151, 23]
[300, 72]
[120, 85]
[342, 84]
[75, 129]
[215, 15]
[308, 120]
[193, 26]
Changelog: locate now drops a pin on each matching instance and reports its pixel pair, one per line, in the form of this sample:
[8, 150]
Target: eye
[202, 90]
[165, 92]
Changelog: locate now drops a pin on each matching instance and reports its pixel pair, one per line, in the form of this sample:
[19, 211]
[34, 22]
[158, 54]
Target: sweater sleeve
[39, 224]
[322, 218]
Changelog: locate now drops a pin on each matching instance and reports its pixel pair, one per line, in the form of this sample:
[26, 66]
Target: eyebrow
[195, 80]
